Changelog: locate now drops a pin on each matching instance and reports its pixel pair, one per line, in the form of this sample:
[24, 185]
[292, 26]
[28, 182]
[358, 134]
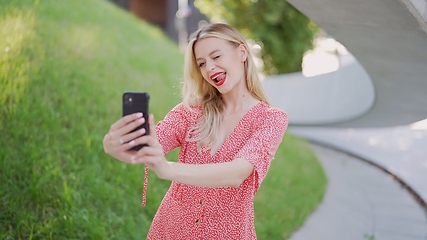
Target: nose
[210, 65]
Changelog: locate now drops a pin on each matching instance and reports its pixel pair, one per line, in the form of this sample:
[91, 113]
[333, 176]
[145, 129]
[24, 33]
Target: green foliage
[63, 68]
[283, 32]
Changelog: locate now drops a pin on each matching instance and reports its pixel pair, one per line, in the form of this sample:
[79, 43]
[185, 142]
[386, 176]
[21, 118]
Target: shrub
[283, 32]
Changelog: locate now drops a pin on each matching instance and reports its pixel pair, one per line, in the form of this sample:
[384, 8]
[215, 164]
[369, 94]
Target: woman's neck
[238, 101]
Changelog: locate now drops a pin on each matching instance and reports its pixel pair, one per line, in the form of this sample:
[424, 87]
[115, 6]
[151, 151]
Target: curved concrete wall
[389, 39]
[334, 97]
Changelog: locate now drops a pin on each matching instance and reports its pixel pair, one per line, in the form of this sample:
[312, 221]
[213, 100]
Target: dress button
[198, 222]
[202, 202]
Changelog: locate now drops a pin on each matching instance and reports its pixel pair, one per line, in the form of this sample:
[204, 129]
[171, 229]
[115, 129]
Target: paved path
[400, 150]
[362, 202]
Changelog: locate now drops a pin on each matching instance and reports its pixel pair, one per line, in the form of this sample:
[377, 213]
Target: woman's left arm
[228, 174]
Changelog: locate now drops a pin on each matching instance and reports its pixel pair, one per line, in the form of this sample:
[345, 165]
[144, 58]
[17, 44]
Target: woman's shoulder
[186, 111]
[187, 108]
[270, 119]
[271, 112]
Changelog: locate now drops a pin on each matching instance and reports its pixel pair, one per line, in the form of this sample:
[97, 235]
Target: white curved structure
[389, 39]
[329, 98]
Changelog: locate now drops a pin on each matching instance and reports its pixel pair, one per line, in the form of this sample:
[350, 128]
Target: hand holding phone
[134, 102]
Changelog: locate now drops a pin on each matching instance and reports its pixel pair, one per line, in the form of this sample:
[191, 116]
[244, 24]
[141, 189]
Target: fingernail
[141, 120]
[132, 159]
[142, 130]
[131, 143]
[138, 115]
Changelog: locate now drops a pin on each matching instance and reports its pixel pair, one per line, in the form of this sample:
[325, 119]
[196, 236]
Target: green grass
[63, 68]
[291, 191]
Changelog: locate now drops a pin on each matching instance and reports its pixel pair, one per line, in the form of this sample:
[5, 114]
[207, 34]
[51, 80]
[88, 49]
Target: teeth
[215, 79]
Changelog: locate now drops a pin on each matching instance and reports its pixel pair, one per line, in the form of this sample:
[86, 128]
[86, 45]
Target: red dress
[192, 212]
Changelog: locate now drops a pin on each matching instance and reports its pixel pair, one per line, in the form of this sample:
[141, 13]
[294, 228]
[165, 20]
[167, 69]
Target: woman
[228, 135]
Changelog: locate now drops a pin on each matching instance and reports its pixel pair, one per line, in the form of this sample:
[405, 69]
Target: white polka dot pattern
[191, 212]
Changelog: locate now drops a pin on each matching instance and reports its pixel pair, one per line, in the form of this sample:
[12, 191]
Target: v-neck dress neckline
[232, 132]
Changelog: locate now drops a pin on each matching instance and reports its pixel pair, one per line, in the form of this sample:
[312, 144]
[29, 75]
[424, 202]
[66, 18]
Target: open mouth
[218, 78]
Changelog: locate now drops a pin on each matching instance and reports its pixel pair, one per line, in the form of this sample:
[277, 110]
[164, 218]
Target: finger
[114, 144]
[150, 141]
[128, 131]
[128, 135]
[126, 147]
[127, 138]
[149, 151]
[124, 121]
[148, 161]
[120, 152]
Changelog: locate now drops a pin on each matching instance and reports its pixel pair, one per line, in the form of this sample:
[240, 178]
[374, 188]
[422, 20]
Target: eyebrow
[214, 51]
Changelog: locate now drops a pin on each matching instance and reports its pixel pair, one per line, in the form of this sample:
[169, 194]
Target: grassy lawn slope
[63, 68]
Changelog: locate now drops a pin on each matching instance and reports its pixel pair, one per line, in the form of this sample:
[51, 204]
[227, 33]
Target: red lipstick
[218, 78]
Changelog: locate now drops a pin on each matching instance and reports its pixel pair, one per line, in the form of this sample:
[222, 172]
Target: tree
[282, 31]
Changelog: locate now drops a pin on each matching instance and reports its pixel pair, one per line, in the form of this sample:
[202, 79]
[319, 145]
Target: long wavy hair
[196, 91]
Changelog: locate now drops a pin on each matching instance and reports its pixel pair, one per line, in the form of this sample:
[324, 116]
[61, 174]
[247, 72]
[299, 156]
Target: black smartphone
[134, 102]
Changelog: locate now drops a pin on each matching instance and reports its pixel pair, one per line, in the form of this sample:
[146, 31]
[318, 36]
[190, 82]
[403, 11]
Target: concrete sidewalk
[402, 151]
[362, 201]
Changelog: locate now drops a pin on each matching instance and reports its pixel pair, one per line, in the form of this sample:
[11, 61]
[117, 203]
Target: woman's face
[221, 63]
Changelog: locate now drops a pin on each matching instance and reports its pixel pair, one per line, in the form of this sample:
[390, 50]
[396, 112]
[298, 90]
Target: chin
[223, 90]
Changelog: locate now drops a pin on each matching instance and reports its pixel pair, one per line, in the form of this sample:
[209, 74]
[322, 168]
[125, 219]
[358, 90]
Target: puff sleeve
[261, 147]
[171, 131]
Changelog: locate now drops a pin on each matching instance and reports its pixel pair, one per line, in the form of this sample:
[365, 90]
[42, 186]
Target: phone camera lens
[128, 100]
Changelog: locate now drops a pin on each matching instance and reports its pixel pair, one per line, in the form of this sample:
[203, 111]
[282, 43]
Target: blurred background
[65, 65]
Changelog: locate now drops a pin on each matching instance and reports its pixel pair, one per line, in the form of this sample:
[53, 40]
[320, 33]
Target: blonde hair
[196, 91]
